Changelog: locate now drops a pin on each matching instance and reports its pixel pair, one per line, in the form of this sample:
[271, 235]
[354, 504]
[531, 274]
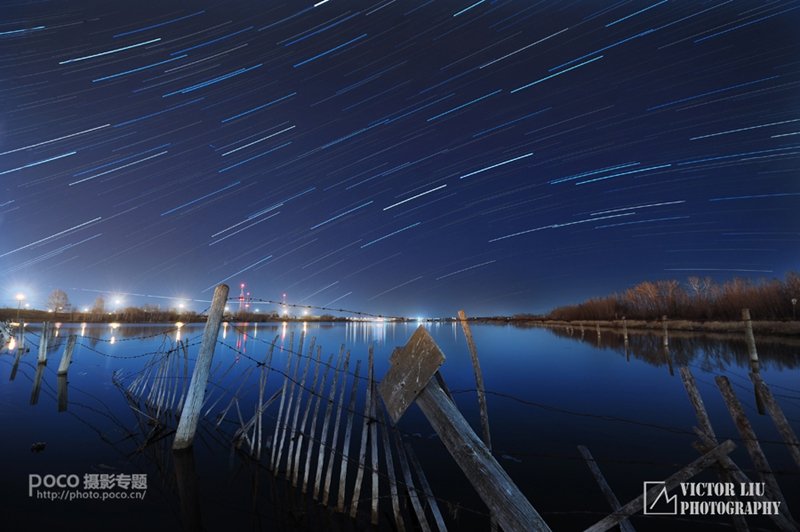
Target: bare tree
[58, 301]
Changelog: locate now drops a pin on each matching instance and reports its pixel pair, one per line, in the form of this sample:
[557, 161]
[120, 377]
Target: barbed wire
[250, 300]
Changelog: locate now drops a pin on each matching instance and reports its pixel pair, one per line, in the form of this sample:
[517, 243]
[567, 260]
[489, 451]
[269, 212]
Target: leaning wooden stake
[325, 424]
[409, 379]
[775, 412]
[351, 406]
[476, 367]
[669, 484]
[426, 488]
[749, 438]
[66, 358]
[409, 482]
[190, 413]
[326, 488]
[666, 333]
[387, 456]
[373, 440]
[624, 525]
[272, 464]
[362, 453]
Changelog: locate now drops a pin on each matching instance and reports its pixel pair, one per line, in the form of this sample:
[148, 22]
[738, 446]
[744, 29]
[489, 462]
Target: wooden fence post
[750, 339]
[476, 366]
[43, 343]
[666, 333]
[190, 413]
[409, 379]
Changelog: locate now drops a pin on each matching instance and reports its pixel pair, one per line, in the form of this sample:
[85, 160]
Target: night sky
[397, 157]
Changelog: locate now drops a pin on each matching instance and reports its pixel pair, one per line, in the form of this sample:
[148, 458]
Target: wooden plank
[670, 483]
[324, 435]
[749, 438]
[426, 488]
[476, 367]
[624, 525]
[410, 371]
[66, 358]
[362, 453]
[512, 510]
[326, 488]
[265, 369]
[312, 440]
[387, 457]
[190, 414]
[345, 462]
[775, 412]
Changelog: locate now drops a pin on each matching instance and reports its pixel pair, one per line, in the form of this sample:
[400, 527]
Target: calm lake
[549, 390]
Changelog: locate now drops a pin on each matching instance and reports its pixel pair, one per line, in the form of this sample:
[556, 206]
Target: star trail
[396, 157]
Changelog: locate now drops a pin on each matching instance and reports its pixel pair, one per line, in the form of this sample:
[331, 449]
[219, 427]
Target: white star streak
[54, 140]
[414, 197]
[555, 226]
[109, 52]
[51, 237]
[496, 165]
[465, 269]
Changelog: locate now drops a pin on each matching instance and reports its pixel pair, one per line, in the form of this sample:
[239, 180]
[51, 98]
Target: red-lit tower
[241, 298]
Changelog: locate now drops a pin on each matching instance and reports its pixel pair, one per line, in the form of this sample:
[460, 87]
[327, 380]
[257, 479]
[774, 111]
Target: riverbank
[771, 328]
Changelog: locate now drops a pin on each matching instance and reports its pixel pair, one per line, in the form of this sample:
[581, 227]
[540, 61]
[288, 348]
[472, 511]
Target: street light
[20, 299]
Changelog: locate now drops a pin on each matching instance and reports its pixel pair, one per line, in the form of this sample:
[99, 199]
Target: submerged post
[190, 414]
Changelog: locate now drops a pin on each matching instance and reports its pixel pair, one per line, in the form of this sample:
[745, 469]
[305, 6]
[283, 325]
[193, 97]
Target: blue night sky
[397, 157]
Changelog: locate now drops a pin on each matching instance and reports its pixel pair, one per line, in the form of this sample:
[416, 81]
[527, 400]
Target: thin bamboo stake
[326, 488]
[409, 482]
[301, 387]
[312, 396]
[426, 488]
[313, 430]
[362, 454]
[325, 425]
[281, 424]
[373, 439]
[387, 456]
[351, 406]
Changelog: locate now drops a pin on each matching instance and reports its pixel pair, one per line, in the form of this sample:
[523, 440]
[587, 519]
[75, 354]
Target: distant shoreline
[765, 327]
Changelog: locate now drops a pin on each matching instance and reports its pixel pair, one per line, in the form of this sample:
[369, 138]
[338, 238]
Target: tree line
[699, 298]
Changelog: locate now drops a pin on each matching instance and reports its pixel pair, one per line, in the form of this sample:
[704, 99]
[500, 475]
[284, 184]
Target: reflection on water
[549, 391]
[708, 351]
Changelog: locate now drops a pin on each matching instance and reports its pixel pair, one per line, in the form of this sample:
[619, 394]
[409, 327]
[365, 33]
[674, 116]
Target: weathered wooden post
[666, 333]
[66, 358]
[750, 339]
[43, 343]
[624, 329]
[476, 367]
[409, 379]
[190, 414]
